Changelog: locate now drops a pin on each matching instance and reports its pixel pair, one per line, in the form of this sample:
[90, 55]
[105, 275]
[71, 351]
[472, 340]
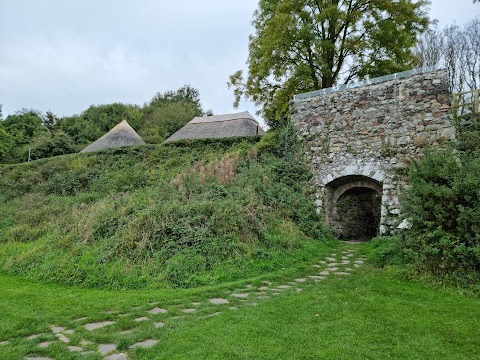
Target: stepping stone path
[143, 318]
[335, 265]
[98, 325]
[116, 357]
[218, 301]
[144, 344]
[157, 310]
[105, 349]
[75, 348]
[189, 311]
[242, 296]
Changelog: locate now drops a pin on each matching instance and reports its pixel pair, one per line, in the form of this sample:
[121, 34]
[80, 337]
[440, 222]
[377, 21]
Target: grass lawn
[366, 315]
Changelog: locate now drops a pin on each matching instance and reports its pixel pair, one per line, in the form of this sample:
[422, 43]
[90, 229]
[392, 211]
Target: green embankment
[185, 214]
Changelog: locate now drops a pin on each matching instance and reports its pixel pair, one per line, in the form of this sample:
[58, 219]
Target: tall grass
[178, 215]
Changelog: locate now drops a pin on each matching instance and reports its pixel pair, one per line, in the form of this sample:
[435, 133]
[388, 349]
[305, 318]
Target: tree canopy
[305, 45]
[29, 132]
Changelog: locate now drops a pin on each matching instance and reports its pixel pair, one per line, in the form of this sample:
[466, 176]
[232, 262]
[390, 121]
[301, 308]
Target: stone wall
[372, 129]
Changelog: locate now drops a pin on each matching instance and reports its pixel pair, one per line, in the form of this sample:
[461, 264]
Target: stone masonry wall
[372, 129]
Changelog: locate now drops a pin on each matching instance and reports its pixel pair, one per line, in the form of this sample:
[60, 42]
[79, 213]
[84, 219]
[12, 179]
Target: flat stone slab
[105, 349]
[317, 266]
[324, 273]
[358, 261]
[75, 348]
[317, 277]
[144, 344]
[85, 342]
[196, 303]
[283, 286]
[159, 325]
[218, 301]
[342, 273]
[69, 332]
[98, 325]
[157, 310]
[349, 255]
[264, 297]
[116, 357]
[234, 308]
[34, 336]
[62, 338]
[188, 311]
[330, 259]
[143, 318]
[357, 265]
[322, 262]
[348, 269]
[263, 288]
[4, 343]
[44, 344]
[334, 269]
[241, 295]
[301, 280]
[37, 358]
[345, 262]
[56, 329]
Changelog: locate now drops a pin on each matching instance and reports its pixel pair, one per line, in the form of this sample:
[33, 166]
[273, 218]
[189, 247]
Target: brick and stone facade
[363, 136]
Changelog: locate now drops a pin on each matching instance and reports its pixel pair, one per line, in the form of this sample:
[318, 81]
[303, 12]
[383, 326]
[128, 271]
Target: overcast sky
[64, 56]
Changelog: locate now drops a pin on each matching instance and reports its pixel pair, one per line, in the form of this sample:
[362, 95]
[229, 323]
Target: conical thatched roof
[121, 135]
[219, 126]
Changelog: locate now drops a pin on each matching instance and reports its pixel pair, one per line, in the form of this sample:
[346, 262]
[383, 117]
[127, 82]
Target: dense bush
[442, 204]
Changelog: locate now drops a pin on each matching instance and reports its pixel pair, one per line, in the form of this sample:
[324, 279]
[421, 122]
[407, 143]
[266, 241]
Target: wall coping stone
[373, 81]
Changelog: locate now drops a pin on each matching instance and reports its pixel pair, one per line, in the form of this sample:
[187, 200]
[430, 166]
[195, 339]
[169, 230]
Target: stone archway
[354, 206]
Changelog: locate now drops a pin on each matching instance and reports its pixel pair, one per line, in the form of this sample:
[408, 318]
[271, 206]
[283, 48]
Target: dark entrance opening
[354, 207]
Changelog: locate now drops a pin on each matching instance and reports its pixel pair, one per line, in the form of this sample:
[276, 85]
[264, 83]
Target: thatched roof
[121, 135]
[219, 126]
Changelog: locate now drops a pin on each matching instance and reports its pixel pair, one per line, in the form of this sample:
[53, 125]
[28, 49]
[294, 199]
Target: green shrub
[443, 205]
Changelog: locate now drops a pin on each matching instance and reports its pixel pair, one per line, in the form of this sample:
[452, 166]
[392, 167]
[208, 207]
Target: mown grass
[180, 215]
[368, 315]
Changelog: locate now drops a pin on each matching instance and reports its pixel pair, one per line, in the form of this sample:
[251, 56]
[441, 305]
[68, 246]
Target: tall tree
[304, 45]
[456, 48]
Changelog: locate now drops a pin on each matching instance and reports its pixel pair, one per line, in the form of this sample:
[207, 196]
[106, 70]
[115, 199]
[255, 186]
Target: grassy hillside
[153, 216]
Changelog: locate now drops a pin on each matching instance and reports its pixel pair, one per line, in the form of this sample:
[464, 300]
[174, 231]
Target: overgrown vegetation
[443, 206]
[182, 214]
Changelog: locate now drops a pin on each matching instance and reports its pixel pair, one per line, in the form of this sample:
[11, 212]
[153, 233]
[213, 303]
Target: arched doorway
[354, 207]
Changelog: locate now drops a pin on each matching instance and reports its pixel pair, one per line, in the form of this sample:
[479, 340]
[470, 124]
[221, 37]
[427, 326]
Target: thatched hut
[219, 126]
[121, 135]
